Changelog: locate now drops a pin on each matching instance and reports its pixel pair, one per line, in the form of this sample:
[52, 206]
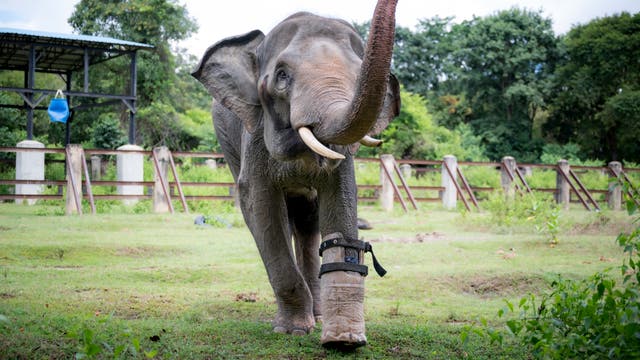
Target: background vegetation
[502, 84]
[141, 285]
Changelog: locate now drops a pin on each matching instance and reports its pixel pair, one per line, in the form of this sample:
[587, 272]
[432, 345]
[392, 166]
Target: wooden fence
[397, 185]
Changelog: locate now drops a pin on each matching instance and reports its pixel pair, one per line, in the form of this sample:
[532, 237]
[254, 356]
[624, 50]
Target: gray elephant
[289, 111]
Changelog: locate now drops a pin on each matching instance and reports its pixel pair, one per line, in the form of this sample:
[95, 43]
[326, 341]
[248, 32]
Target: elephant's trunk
[372, 81]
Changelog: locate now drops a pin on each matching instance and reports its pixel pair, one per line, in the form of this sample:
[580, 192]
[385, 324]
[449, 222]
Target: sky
[236, 17]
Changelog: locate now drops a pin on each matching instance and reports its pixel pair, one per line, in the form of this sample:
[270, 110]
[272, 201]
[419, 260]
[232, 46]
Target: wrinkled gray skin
[305, 72]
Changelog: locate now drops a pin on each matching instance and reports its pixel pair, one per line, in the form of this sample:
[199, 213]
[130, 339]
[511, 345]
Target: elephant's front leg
[342, 272]
[265, 213]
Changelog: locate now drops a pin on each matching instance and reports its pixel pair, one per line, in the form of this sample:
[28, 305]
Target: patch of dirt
[249, 297]
[6, 296]
[499, 285]
[602, 225]
[140, 306]
[138, 251]
[418, 238]
[67, 267]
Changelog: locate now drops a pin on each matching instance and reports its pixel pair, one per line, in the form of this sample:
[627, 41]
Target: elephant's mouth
[316, 146]
[319, 148]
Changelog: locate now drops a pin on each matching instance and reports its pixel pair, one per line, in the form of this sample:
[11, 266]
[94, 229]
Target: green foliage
[160, 124]
[551, 153]
[594, 318]
[596, 88]
[92, 342]
[166, 91]
[506, 60]
[534, 211]
[621, 117]
[414, 135]
[107, 133]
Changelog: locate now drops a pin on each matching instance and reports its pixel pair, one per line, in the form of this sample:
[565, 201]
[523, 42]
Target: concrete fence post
[160, 201]
[615, 189]
[29, 166]
[96, 167]
[74, 169]
[450, 193]
[563, 189]
[386, 194]
[507, 183]
[211, 164]
[405, 170]
[130, 167]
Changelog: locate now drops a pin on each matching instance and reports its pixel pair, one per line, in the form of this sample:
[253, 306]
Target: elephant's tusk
[369, 141]
[315, 145]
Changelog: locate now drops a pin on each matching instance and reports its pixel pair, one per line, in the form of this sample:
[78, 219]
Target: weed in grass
[60, 253]
[592, 318]
[91, 342]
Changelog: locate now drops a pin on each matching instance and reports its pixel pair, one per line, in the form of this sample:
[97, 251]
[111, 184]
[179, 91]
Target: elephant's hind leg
[265, 212]
[303, 213]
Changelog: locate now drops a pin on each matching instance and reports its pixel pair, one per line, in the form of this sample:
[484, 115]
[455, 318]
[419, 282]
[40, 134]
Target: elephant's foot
[295, 325]
[343, 324]
[343, 341]
[342, 293]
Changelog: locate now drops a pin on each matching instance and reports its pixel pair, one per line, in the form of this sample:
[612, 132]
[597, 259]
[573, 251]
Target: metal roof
[59, 52]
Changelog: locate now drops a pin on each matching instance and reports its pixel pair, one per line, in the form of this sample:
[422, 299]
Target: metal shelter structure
[35, 52]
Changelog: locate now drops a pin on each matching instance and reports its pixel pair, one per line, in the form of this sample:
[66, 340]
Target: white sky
[218, 19]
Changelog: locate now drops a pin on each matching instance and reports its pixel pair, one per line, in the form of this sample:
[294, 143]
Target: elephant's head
[310, 75]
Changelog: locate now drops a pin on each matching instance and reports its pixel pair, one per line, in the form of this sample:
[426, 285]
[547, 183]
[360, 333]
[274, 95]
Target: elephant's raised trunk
[372, 81]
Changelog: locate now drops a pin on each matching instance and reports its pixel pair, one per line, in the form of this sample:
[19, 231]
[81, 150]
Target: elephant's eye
[282, 80]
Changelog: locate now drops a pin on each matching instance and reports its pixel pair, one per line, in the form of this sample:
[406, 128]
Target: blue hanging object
[58, 108]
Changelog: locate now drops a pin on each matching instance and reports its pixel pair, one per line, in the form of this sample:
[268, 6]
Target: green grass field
[145, 285]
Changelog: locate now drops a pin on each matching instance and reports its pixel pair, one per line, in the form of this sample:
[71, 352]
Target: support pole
[615, 188]
[130, 167]
[29, 166]
[386, 194]
[133, 92]
[161, 190]
[74, 179]
[563, 190]
[449, 182]
[30, 82]
[507, 179]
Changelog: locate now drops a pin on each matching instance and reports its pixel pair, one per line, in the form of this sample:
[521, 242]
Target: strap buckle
[350, 263]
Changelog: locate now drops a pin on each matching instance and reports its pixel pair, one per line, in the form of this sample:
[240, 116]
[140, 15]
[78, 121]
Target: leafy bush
[415, 135]
[107, 133]
[551, 153]
[593, 318]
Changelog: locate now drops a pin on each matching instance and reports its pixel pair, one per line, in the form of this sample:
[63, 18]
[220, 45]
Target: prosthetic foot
[342, 291]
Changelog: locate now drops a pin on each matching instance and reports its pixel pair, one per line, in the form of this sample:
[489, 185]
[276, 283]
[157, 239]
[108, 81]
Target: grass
[135, 283]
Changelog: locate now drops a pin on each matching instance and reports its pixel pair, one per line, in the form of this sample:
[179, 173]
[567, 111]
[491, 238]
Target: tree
[505, 62]
[597, 87]
[414, 135]
[160, 86]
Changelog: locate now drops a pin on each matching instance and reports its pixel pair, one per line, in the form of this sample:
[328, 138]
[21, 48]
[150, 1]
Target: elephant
[290, 109]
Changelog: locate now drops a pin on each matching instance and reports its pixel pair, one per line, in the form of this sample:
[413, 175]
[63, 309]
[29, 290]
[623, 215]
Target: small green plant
[595, 318]
[546, 218]
[91, 343]
[60, 253]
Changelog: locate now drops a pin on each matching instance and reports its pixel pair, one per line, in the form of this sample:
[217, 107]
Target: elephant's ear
[390, 109]
[229, 70]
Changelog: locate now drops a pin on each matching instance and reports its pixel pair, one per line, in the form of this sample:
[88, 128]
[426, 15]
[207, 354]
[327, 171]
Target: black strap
[337, 239]
[376, 265]
[344, 266]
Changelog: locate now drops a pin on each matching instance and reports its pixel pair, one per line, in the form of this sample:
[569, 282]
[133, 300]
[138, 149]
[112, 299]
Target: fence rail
[29, 187]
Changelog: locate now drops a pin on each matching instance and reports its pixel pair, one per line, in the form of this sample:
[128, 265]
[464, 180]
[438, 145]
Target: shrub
[593, 318]
[107, 133]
